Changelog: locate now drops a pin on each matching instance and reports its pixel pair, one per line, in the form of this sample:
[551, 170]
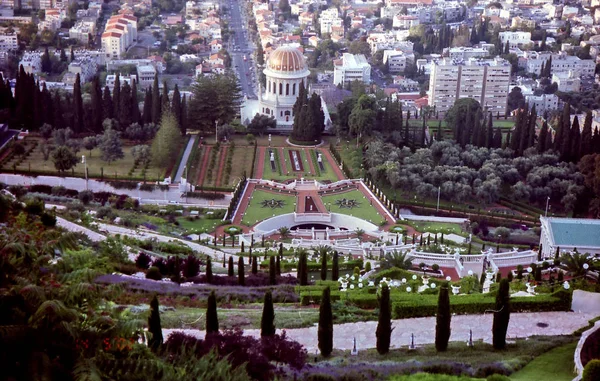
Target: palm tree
[359, 233]
[396, 259]
[284, 232]
[574, 262]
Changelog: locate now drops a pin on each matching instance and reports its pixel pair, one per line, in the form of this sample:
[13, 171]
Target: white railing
[312, 217]
[336, 184]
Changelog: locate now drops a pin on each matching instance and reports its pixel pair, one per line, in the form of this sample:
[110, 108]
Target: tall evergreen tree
[176, 105]
[241, 277]
[406, 131]
[147, 114]
[164, 98]
[501, 315]
[46, 62]
[154, 326]
[135, 107]
[156, 110]
[272, 271]
[59, 121]
[212, 320]
[549, 143]
[541, 144]
[78, 106]
[585, 147]
[497, 138]
[254, 265]
[97, 112]
[575, 140]
[267, 321]
[335, 266]
[116, 93]
[124, 115]
[489, 139]
[63, 55]
[531, 128]
[323, 265]
[230, 270]
[278, 265]
[596, 140]
[72, 54]
[209, 274]
[107, 104]
[442, 326]
[325, 329]
[184, 113]
[384, 323]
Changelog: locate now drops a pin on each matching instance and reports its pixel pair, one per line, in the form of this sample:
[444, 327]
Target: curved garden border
[580, 345]
[287, 140]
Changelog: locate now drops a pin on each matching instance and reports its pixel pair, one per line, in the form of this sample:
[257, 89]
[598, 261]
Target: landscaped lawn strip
[435, 227]
[241, 162]
[201, 225]
[555, 365]
[365, 210]
[255, 211]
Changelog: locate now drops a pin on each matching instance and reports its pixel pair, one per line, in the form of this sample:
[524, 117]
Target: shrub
[105, 211]
[320, 377]
[153, 273]
[39, 188]
[48, 220]
[442, 327]
[86, 197]
[591, 372]
[368, 266]
[384, 325]
[191, 266]
[143, 260]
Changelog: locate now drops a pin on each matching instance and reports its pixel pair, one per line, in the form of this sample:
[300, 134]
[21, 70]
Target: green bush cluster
[213, 161]
[316, 266]
[228, 164]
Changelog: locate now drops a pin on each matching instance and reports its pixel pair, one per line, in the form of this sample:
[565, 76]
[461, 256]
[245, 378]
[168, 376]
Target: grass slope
[256, 212]
[365, 210]
[555, 365]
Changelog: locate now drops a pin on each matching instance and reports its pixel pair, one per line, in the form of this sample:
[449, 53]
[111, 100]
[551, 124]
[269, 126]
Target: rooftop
[575, 232]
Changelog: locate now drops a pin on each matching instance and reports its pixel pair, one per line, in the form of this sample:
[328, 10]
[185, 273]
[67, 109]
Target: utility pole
[438, 200]
[216, 132]
[547, 202]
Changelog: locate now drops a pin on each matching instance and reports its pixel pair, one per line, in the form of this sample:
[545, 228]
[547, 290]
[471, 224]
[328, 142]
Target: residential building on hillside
[486, 81]
[8, 41]
[85, 67]
[542, 103]
[31, 62]
[462, 53]
[119, 34]
[567, 81]
[396, 60]
[515, 39]
[328, 19]
[350, 68]
[145, 75]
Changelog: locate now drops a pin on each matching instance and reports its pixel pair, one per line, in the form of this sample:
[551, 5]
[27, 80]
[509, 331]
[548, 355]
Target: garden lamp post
[547, 204]
[84, 162]
[438, 200]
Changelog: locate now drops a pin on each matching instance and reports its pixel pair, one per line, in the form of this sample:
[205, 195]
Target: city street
[239, 40]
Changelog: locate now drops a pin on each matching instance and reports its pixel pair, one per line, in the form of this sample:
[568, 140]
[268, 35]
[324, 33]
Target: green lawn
[256, 212]
[432, 377]
[201, 225]
[365, 210]
[434, 227]
[283, 173]
[555, 365]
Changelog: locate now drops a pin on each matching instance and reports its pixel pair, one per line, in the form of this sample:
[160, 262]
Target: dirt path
[332, 164]
[204, 165]
[222, 159]
[260, 163]
[311, 165]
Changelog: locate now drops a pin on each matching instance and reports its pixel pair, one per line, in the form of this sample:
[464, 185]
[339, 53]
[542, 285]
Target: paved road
[170, 196]
[244, 69]
[92, 235]
[521, 325]
[184, 158]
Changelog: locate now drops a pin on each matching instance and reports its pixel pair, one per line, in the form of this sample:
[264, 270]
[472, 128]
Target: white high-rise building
[352, 67]
[486, 81]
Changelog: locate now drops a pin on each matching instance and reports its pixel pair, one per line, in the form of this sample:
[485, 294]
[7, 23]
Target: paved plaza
[521, 325]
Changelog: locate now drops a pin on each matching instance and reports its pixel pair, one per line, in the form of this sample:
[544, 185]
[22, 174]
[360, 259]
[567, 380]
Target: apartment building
[328, 19]
[8, 41]
[145, 75]
[567, 81]
[542, 103]
[397, 60]
[352, 67]
[515, 39]
[462, 53]
[86, 67]
[120, 33]
[561, 63]
[486, 81]
[31, 62]
[82, 31]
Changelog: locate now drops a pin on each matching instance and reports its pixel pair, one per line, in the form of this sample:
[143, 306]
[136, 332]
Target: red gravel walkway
[204, 165]
[244, 202]
[260, 163]
[338, 172]
[222, 159]
[376, 205]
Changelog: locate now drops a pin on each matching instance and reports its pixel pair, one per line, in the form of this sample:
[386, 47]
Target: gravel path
[184, 158]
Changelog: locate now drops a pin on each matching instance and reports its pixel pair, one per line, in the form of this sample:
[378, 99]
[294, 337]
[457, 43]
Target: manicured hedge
[316, 266]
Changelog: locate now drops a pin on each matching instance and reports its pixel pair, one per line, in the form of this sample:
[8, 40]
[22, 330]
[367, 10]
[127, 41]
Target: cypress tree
[72, 54]
[406, 132]
[442, 320]
[58, 111]
[596, 141]
[575, 140]
[501, 316]
[531, 128]
[63, 55]
[164, 98]
[147, 113]
[107, 104]
[335, 267]
[439, 131]
[209, 274]
[324, 265]
[116, 93]
[78, 106]
[561, 141]
[230, 271]
[272, 271]
[489, 139]
[384, 323]
[135, 107]
[325, 330]
[176, 106]
[541, 144]
[125, 107]
[254, 265]
[184, 113]
[497, 138]
[278, 266]
[267, 321]
[212, 320]
[97, 111]
[156, 111]
[585, 147]
[241, 278]
[154, 326]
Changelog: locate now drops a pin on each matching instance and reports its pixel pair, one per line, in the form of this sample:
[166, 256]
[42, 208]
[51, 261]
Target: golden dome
[287, 59]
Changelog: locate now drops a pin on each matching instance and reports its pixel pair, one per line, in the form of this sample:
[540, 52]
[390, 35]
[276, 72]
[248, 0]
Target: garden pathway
[221, 165]
[376, 204]
[204, 165]
[521, 325]
[245, 201]
[260, 163]
[282, 160]
[311, 166]
[332, 163]
[185, 158]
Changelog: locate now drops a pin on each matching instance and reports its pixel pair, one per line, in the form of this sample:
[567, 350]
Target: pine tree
[442, 326]
[209, 274]
[156, 111]
[384, 323]
[325, 330]
[154, 326]
[254, 265]
[107, 104]
[116, 96]
[176, 106]
[324, 265]
[575, 140]
[585, 147]
[147, 113]
[267, 321]
[541, 144]
[272, 271]
[212, 320]
[78, 106]
[335, 267]
[501, 315]
[241, 278]
[230, 270]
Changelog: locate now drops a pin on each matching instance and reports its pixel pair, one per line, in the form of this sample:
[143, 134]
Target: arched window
[267, 111]
[287, 89]
[280, 88]
[287, 112]
[294, 89]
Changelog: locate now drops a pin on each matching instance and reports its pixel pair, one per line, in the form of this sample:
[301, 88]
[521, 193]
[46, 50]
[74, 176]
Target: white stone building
[567, 81]
[85, 67]
[82, 31]
[8, 41]
[462, 53]
[31, 62]
[567, 234]
[145, 74]
[352, 67]
[544, 102]
[515, 39]
[397, 60]
[328, 19]
[486, 81]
